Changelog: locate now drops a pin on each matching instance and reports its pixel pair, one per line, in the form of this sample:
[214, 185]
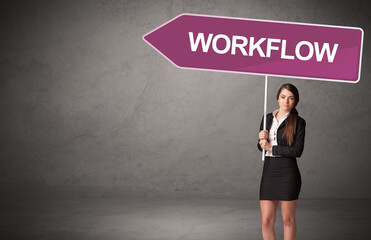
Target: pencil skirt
[281, 179]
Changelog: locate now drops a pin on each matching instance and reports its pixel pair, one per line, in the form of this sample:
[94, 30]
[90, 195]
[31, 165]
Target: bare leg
[268, 209]
[288, 209]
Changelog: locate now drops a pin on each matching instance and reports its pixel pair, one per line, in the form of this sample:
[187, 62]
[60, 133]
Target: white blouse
[273, 131]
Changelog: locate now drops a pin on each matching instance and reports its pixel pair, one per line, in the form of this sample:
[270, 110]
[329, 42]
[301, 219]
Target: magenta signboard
[273, 48]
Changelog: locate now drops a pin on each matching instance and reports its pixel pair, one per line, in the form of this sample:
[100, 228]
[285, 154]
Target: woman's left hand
[264, 144]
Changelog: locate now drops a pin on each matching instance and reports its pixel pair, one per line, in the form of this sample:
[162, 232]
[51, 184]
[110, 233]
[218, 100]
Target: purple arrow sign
[299, 50]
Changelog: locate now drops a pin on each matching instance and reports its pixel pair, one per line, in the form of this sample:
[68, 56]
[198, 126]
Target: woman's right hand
[263, 134]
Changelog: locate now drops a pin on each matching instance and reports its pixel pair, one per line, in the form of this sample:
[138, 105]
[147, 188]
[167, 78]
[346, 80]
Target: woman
[281, 179]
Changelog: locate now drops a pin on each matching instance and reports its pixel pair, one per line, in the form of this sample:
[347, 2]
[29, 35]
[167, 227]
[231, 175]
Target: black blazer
[282, 148]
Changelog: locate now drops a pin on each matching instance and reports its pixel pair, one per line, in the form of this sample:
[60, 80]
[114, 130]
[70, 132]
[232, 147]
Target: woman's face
[286, 100]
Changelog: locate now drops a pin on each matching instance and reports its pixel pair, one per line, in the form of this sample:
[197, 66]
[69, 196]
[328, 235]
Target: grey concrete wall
[88, 108]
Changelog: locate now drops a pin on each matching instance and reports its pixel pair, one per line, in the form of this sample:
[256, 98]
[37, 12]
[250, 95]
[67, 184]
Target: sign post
[260, 47]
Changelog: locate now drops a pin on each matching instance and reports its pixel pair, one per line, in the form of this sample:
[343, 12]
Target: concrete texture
[174, 219]
[87, 107]
[101, 137]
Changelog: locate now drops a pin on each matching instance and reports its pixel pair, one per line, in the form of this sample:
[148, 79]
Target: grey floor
[160, 219]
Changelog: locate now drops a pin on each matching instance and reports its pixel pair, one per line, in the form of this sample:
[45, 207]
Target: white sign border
[262, 74]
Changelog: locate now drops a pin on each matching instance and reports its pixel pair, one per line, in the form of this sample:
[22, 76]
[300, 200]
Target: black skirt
[281, 179]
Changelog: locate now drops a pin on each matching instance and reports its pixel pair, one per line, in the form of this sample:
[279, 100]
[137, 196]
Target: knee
[288, 221]
[268, 222]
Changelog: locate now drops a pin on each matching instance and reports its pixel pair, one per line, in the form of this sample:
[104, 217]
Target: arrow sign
[322, 52]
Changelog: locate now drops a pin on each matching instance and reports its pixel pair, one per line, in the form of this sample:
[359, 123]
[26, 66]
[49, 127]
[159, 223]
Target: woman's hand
[263, 134]
[264, 144]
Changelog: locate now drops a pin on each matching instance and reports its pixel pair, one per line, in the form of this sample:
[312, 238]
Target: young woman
[281, 179]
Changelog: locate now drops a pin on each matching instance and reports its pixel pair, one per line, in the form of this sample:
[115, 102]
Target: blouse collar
[275, 111]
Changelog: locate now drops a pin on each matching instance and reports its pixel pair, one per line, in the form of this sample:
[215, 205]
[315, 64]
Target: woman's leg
[268, 209]
[288, 209]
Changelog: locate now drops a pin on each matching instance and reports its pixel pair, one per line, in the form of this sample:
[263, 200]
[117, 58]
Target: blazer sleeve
[297, 148]
[261, 128]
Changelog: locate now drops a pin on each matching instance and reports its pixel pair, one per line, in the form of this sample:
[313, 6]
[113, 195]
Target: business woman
[281, 179]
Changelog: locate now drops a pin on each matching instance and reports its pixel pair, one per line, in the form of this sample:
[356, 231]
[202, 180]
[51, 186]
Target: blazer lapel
[269, 121]
[283, 124]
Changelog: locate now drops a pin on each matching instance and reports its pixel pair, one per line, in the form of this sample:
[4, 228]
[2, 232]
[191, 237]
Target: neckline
[276, 112]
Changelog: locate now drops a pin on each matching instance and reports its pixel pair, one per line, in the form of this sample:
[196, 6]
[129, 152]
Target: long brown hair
[290, 128]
